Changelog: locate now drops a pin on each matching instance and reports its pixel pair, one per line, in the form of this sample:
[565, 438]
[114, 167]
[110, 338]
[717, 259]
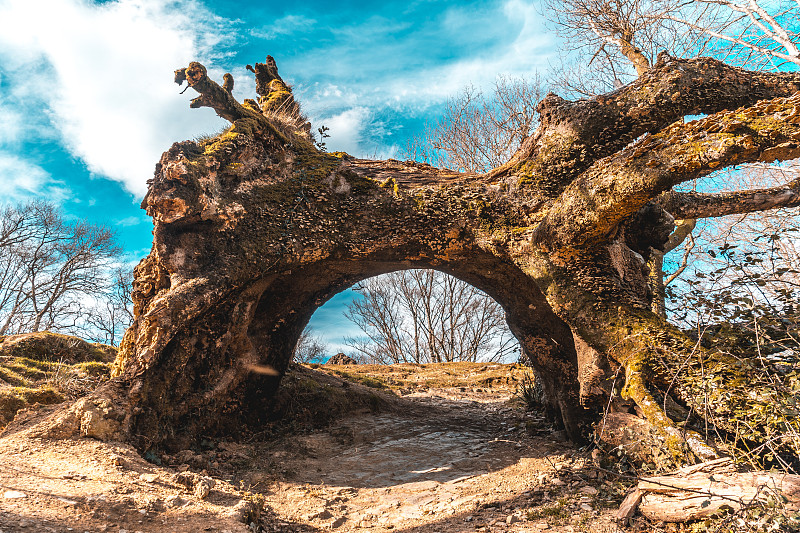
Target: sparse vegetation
[46, 368]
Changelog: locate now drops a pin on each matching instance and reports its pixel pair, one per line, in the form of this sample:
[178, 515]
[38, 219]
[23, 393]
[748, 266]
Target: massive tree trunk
[256, 228]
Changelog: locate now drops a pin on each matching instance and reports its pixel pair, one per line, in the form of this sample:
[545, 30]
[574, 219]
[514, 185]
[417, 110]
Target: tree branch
[616, 187]
[211, 94]
[702, 205]
[792, 56]
[573, 135]
[684, 261]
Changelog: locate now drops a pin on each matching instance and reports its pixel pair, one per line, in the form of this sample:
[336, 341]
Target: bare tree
[48, 267]
[310, 348]
[425, 316]
[611, 42]
[107, 320]
[614, 41]
[757, 34]
[478, 132]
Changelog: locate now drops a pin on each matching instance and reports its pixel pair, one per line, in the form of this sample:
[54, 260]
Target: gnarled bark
[256, 228]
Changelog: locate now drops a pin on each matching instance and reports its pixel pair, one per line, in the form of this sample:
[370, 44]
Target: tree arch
[255, 228]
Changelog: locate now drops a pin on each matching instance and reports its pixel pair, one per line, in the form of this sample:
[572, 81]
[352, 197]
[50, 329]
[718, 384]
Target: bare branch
[704, 205]
[618, 186]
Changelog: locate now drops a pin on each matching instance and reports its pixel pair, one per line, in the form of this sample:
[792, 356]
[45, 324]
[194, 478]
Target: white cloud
[358, 132]
[20, 180]
[10, 125]
[284, 26]
[104, 75]
[346, 130]
[506, 38]
[129, 221]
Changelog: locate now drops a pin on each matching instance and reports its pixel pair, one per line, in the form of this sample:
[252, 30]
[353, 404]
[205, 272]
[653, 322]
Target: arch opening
[409, 316]
[259, 324]
[286, 304]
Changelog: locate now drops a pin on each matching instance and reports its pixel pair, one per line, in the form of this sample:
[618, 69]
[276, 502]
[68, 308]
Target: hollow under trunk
[256, 228]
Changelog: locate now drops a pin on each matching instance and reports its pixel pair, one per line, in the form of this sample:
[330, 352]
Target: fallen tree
[707, 489]
[256, 228]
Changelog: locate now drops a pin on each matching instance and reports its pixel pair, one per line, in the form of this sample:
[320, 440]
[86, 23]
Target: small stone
[203, 487]
[587, 507]
[588, 490]
[557, 482]
[339, 522]
[174, 501]
[597, 457]
[512, 519]
[468, 519]
[14, 494]
[148, 478]
[242, 511]
[321, 515]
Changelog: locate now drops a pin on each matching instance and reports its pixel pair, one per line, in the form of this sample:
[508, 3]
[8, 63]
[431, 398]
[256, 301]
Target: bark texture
[708, 489]
[256, 228]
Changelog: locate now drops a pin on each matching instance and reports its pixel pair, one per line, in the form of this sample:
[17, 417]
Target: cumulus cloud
[346, 130]
[357, 131]
[103, 75]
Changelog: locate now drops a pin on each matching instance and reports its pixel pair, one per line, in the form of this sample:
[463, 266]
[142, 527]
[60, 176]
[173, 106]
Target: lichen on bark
[256, 228]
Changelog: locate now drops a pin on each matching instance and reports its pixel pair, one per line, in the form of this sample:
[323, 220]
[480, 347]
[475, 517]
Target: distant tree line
[61, 275]
[420, 316]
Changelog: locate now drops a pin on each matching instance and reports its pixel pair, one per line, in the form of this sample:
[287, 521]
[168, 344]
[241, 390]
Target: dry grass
[46, 368]
[410, 377]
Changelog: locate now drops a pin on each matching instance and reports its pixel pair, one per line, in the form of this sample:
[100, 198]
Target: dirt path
[450, 463]
[445, 460]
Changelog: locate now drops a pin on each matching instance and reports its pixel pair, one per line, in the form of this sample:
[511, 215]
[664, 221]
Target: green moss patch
[13, 399]
[46, 368]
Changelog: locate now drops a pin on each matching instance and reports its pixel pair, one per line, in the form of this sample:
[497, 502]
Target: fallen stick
[704, 490]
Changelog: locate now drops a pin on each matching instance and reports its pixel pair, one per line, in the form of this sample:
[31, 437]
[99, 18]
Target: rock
[598, 458]
[339, 522]
[242, 511]
[186, 479]
[14, 494]
[320, 515]
[586, 507]
[557, 482]
[512, 519]
[98, 419]
[588, 490]
[149, 478]
[203, 487]
[174, 501]
[200, 485]
[341, 359]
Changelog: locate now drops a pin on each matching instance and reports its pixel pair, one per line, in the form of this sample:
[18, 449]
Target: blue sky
[87, 102]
